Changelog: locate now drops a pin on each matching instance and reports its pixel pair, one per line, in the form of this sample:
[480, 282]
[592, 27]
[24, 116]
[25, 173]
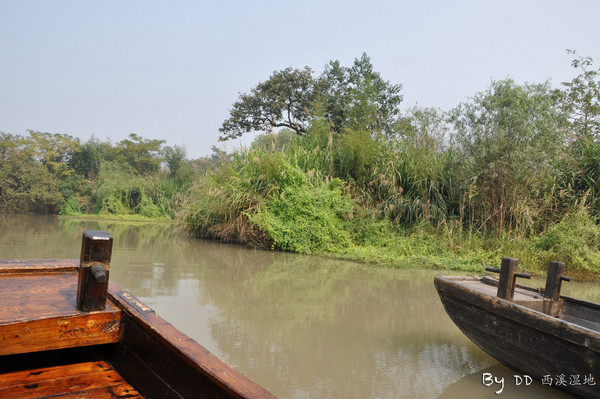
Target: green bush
[306, 219]
[218, 204]
[121, 192]
[70, 207]
[574, 241]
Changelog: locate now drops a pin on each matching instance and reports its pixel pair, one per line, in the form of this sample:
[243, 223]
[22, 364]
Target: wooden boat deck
[96, 379]
[39, 312]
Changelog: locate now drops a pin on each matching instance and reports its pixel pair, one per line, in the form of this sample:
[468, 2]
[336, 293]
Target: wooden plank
[112, 392]
[25, 377]
[556, 271]
[32, 296]
[89, 379]
[154, 351]
[60, 332]
[38, 265]
[38, 312]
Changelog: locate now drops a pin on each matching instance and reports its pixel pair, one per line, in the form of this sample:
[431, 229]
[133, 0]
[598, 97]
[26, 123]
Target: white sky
[171, 70]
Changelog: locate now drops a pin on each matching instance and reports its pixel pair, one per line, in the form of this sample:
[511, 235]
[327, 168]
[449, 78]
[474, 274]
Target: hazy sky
[171, 70]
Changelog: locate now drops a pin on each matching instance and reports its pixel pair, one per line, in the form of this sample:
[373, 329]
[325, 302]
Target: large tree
[356, 97]
[283, 100]
[27, 182]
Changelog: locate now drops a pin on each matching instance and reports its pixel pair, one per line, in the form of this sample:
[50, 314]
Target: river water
[301, 326]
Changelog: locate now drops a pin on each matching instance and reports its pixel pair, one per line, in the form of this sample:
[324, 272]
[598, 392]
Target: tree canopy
[581, 98]
[356, 97]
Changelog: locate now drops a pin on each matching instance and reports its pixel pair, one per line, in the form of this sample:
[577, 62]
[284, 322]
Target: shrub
[305, 219]
[574, 241]
[70, 207]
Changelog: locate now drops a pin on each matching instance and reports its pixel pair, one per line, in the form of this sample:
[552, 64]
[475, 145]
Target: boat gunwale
[193, 353]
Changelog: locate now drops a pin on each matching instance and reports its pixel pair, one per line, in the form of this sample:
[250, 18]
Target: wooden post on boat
[554, 280]
[508, 275]
[506, 284]
[556, 271]
[94, 265]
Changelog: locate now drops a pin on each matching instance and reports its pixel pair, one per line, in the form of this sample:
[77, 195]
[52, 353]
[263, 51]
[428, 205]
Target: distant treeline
[57, 173]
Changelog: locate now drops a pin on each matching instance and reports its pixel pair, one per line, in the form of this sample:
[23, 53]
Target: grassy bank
[301, 198]
[573, 241]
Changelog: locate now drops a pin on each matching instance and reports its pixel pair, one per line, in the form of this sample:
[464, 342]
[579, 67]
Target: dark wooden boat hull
[527, 340]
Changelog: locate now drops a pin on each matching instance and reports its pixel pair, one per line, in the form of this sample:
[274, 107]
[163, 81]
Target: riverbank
[574, 240]
[430, 251]
[284, 200]
[426, 248]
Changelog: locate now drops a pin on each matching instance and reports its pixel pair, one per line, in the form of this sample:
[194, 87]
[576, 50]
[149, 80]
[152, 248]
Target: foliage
[141, 154]
[275, 141]
[219, 202]
[306, 219]
[70, 207]
[54, 151]
[50, 173]
[214, 161]
[355, 97]
[574, 241]
[261, 198]
[579, 180]
[85, 159]
[359, 154]
[283, 100]
[175, 158]
[25, 183]
[358, 98]
[507, 138]
[121, 192]
[581, 98]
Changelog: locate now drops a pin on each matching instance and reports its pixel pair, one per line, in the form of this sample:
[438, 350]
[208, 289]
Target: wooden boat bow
[67, 329]
[536, 332]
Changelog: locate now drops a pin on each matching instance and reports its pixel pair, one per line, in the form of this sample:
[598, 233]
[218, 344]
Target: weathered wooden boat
[537, 332]
[68, 331]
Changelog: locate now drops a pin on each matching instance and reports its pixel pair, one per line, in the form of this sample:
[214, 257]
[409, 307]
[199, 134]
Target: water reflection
[302, 326]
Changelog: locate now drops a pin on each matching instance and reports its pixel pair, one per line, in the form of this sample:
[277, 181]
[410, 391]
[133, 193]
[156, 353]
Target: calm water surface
[301, 326]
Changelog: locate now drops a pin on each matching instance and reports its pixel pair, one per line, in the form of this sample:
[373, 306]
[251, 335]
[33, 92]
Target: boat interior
[49, 347]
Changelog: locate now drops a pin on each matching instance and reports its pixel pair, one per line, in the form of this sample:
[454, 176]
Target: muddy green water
[301, 326]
